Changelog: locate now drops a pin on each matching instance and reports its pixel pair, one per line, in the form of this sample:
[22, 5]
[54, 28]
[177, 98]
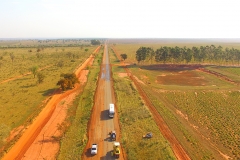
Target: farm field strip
[177, 149]
[195, 110]
[136, 121]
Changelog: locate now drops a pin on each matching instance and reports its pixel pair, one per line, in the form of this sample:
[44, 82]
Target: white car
[94, 149]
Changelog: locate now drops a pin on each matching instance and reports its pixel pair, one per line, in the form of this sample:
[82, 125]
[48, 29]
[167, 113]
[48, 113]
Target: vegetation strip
[75, 137]
[136, 120]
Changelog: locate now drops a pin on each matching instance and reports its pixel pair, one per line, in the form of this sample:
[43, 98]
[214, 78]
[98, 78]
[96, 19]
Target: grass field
[136, 121]
[201, 109]
[23, 98]
[23, 60]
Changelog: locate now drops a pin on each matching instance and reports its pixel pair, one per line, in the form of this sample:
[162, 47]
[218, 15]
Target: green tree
[34, 70]
[60, 64]
[123, 56]
[69, 54]
[68, 81]
[237, 55]
[196, 54]
[150, 54]
[39, 55]
[162, 54]
[219, 54]
[40, 77]
[95, 42]
[142, 53]
[63, 83]
[12, 56]
[203, 53]
[188, 55]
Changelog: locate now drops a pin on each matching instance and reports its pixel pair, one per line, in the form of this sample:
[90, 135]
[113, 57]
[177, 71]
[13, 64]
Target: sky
[119, 19]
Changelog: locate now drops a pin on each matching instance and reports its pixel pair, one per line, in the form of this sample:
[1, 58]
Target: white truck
[111, 110]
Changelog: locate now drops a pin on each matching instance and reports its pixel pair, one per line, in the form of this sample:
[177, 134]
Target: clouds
[123, 19]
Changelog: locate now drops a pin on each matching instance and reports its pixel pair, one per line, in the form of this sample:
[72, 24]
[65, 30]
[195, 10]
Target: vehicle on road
[111, 110]
[113, 135]
[116, 149]
[94, 149]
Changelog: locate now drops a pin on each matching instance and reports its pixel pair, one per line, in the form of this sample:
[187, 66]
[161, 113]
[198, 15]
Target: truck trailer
[111, 110]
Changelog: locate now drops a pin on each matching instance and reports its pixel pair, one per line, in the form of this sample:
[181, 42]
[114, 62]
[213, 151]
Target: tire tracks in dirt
[166, 132]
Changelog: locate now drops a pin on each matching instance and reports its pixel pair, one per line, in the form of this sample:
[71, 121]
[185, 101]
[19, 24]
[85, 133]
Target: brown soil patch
[183, 78]
[122, 75]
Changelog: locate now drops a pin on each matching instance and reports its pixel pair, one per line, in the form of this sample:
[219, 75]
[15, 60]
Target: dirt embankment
[178, 150]
[218, 75]
[43, 147]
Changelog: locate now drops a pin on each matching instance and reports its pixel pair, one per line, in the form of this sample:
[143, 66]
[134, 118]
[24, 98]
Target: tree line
[202, 54]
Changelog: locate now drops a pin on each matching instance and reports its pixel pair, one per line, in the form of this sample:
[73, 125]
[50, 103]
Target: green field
[201, 109]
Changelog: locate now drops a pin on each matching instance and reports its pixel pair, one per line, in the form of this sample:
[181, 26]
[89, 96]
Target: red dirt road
[32, 144]
[100, 124]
